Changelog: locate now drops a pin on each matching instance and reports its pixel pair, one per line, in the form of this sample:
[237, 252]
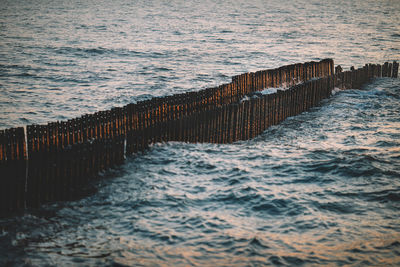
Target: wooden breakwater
[51, 162]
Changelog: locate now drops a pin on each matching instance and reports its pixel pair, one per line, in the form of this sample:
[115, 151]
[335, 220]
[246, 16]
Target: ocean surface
[322, 188]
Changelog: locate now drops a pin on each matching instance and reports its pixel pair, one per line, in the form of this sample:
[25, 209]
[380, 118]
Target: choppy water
[321, 188]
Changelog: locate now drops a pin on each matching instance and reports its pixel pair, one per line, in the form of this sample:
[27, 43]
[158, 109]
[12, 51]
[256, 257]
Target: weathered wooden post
[279, 106]
[272, 109]
[12, 168]
[385, 68]
[229, 123]
[305, 96]
[395, 69]
[262, 114]
[239, 126]
[252, 118]
[266, 112]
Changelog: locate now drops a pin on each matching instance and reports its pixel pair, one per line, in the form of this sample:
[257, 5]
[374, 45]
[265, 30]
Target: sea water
[321, 188]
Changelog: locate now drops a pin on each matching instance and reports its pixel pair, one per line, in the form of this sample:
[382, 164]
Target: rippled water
[321, 188]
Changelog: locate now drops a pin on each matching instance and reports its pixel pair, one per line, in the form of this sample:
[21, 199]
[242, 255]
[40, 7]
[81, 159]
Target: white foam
[336, 90]
[245, 98]
[273, 90]
[265, 91]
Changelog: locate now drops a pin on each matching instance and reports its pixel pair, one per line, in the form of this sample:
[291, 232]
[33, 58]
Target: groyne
[44, 163]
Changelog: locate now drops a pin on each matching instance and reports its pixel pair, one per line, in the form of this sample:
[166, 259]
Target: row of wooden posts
[54, 160]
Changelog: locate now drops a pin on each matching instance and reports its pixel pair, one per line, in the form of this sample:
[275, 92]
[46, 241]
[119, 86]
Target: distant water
[322, 188]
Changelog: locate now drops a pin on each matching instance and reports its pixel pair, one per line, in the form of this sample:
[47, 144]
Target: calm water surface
[322, 188]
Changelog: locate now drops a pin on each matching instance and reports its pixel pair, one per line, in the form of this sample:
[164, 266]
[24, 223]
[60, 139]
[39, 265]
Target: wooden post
[279, 106]
[239, 126]
[306, 96]
[389, 70]
[262, 114]
[385, 69]
[266, 112]
[395, 69]
[272, 109]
